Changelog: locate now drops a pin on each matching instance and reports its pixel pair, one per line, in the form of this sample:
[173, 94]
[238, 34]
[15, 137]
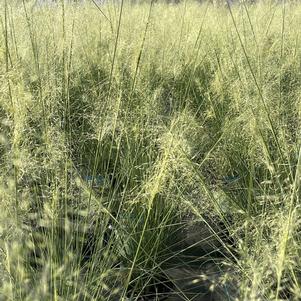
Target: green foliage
[142, 141]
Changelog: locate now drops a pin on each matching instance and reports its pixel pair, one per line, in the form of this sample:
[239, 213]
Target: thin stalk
[294, 199]
[99, 135]
[152, 196]
[101, 11]
[281, 58]
[38, 71]
[7, 69]
[13, 34]
[265, 107]
[142, 46]
[97, 153]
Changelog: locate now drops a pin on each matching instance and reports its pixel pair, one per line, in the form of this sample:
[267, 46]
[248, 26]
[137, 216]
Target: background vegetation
[144, 144]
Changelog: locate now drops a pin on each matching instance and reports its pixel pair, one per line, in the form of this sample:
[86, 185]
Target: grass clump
[149, 151]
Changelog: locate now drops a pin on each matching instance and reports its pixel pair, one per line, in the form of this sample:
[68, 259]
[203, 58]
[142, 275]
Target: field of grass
[150, 151]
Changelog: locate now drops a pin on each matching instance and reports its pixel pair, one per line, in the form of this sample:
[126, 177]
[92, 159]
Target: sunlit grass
[149, 150]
